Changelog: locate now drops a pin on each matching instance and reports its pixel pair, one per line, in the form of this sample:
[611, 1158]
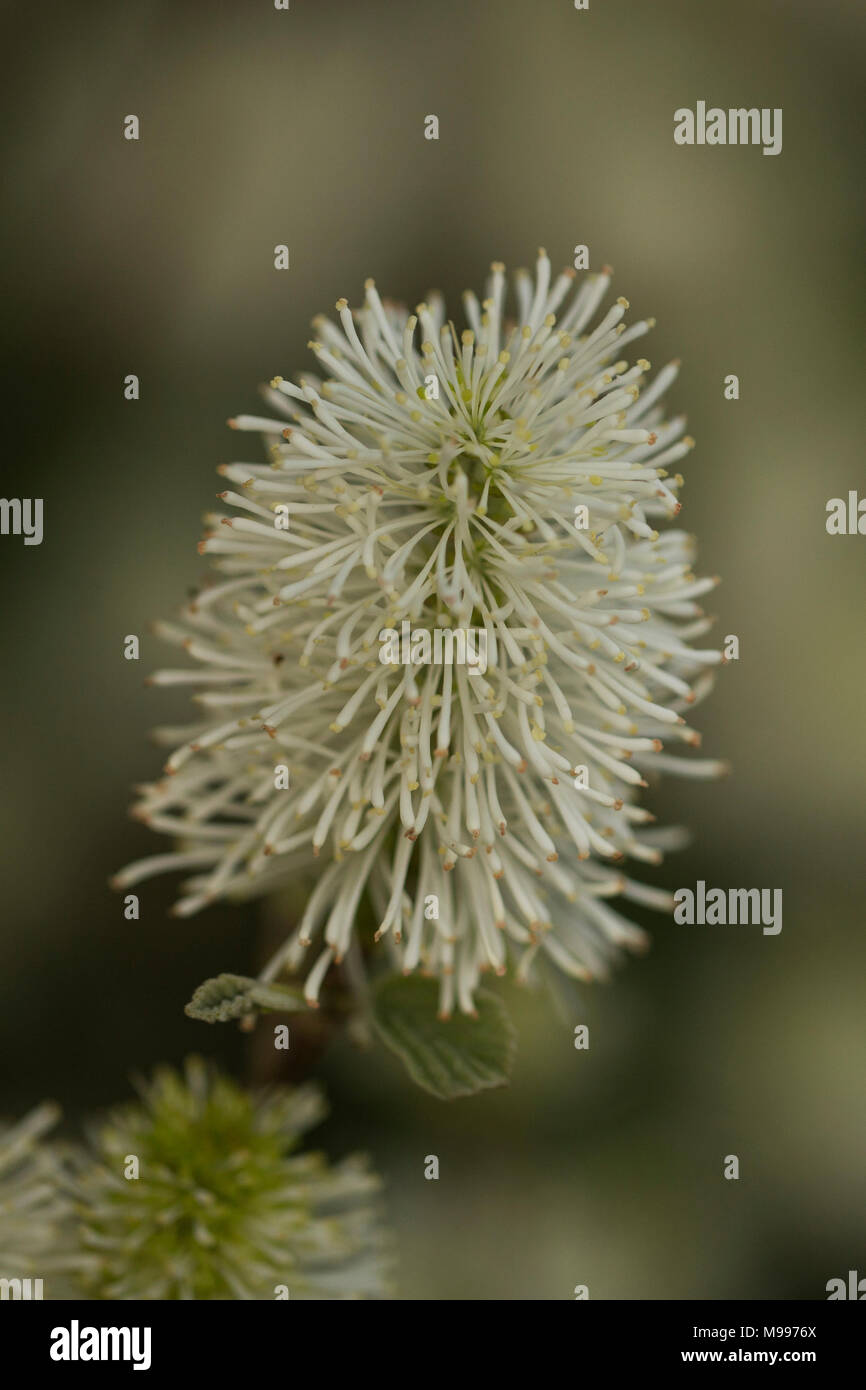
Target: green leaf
[450, 1057]
[236, 996]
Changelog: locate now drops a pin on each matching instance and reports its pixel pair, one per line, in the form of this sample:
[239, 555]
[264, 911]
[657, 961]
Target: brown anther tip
[522, 765]
[201, 547]
[657, 745]
[227, 521]
[270, 730]
[653, 437]
[287, 433]
[313, 1003]
[232, 423]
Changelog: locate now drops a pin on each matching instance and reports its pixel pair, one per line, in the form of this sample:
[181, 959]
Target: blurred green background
[260, 127]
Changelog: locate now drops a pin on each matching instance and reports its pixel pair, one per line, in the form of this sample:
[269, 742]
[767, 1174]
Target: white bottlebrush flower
[440, 479]
[222, 1206]
[34, 1211]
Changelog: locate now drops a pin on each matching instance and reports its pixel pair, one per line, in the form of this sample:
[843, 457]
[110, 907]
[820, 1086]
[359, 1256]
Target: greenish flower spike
[197, 1192]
